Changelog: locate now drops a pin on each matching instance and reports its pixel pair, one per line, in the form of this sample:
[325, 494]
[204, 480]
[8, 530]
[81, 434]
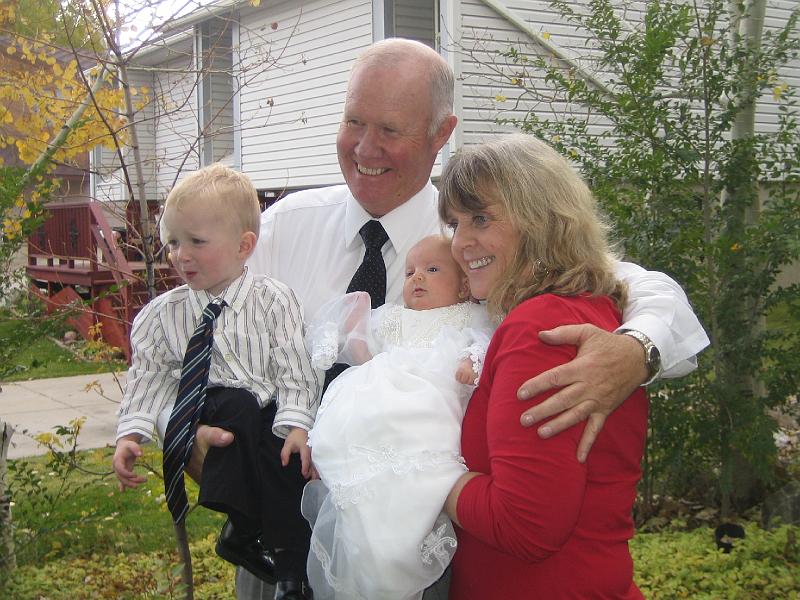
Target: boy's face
[205, 247]
[433, 279]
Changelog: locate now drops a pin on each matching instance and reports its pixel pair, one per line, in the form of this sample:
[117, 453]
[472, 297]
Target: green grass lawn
[87, 539]
[33, 356]
[92, 514]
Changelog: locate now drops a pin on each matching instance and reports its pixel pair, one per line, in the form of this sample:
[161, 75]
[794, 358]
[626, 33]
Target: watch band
[652, 356]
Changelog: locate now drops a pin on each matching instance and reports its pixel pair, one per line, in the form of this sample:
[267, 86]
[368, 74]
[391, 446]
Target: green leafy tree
[664, 134]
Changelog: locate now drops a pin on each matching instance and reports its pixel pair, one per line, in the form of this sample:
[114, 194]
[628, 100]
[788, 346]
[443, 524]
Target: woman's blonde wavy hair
[563, 239]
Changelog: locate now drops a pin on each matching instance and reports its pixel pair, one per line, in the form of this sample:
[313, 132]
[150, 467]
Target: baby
[386, 440]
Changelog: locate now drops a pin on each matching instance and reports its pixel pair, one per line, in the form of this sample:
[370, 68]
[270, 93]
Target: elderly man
[398, 115]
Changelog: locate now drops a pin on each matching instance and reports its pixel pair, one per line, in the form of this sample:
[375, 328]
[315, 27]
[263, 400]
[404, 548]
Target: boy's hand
[465, 373]
[297, 443]
[205, 438]
[124, 459]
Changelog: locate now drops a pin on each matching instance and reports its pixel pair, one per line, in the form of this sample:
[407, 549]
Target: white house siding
[109, 183]
[290, 112]
[480, 31]
[766, 109]
[176, 121]
[106, 182]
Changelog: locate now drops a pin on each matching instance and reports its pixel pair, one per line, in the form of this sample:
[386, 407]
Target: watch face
[653, 358]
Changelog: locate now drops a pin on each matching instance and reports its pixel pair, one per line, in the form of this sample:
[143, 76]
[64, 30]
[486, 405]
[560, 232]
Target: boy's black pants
[246, 478]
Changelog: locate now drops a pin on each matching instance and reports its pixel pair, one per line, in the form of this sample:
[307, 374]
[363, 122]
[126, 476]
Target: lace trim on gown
[380, 460]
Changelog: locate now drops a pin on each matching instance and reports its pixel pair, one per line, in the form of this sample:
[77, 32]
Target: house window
[413, 19]
[215, 92]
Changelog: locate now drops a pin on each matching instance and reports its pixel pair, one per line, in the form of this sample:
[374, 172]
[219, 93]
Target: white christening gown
[386, 443]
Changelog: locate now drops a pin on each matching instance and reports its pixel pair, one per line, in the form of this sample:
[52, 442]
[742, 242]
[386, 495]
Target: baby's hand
[124, 459]
[465, 373]
[297, 443]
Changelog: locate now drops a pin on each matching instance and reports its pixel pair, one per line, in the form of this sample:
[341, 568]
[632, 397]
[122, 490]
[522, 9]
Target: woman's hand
[607, 369]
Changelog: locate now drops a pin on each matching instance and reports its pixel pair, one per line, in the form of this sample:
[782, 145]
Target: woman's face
[484, 243]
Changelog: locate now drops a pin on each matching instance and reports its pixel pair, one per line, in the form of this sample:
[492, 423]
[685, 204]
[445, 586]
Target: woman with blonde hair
[532, 521]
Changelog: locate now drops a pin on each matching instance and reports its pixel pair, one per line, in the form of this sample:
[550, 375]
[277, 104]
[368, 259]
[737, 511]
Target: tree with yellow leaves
[41, 90]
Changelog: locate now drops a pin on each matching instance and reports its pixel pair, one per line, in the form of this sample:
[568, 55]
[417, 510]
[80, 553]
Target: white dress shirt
[258, 346]
[309, 241]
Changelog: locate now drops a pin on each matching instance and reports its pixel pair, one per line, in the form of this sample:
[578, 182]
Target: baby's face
[433, 279]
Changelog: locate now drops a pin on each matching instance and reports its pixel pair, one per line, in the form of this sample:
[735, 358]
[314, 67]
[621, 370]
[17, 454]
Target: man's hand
[205, 437]
[608, 368]
[297, 443]
[128, 450]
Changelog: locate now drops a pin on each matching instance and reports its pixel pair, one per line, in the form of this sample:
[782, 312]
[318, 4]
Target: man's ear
[444, 132]
[247, 243]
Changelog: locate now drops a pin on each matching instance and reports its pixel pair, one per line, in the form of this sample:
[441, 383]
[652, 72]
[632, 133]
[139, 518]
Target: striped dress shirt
[258, 346]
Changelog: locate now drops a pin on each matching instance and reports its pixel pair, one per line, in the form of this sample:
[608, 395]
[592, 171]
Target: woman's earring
[540, 269]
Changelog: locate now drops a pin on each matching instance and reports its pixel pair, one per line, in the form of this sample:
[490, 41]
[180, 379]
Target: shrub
[679, 564]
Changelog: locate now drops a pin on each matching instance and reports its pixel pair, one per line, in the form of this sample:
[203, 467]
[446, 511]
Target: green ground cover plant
[686, 564]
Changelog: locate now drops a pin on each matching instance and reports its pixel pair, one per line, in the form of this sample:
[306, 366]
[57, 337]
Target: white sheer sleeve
[341, 332]
[476, 351]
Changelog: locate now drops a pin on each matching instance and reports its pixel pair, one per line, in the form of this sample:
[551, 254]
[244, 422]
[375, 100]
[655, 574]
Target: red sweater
[538, 524]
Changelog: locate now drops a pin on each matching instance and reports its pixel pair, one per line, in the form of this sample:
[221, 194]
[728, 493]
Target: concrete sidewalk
[42, 404]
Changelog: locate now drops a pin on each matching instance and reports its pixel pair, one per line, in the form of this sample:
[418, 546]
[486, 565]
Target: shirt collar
[234, 295]
[400, 224]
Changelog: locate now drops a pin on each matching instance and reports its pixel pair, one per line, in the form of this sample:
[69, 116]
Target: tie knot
[374, 235]
[212, 311]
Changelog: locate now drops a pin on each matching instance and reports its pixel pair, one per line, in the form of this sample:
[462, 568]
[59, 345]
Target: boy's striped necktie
[179, 437]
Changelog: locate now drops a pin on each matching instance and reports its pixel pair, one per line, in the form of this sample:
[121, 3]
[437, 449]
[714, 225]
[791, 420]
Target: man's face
[385, 153]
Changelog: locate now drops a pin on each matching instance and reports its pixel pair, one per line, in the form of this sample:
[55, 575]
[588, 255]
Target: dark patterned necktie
[370, 277]
[179, 437]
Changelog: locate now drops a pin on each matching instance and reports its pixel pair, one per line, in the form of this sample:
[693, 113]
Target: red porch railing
[77, 248]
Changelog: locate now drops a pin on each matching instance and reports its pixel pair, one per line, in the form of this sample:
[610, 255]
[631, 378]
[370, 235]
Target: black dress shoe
[247, 552]
[293, 589]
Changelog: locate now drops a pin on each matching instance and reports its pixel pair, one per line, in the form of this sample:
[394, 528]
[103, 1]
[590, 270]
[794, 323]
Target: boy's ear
[247, 243]
[464, 292]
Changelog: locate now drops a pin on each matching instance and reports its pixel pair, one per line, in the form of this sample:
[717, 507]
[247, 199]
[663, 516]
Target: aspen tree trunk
[742, 198]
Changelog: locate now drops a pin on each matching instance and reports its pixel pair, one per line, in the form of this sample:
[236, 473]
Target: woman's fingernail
[522, 394]
[545, 431]
[527, 420]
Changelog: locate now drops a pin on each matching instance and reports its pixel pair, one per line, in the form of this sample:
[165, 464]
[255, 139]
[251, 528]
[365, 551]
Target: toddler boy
[210, 226]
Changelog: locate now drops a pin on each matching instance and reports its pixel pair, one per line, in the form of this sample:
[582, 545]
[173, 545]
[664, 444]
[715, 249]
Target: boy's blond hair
[229, 193]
